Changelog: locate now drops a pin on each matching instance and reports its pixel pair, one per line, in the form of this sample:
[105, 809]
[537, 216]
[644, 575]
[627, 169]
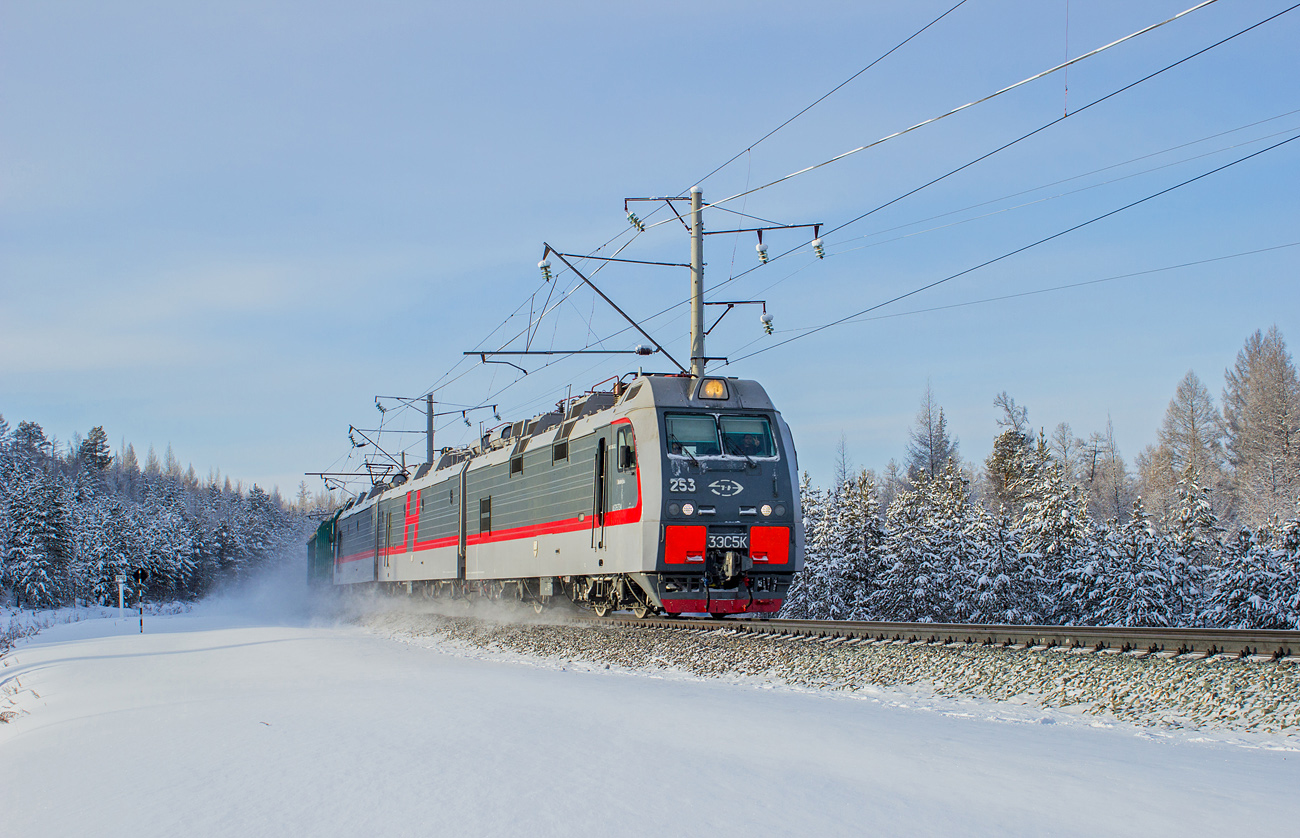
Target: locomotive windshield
[694, 436]
[697, 435]
[749, 436]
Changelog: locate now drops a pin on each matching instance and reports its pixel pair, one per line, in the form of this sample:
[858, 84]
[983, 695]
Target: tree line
[72, 520]
[1203, 530]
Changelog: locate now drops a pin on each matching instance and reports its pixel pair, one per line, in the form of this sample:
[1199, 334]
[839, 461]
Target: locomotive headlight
[674, 509]
[688, 509]
[780, 510]
[713, 388]
[766, 509]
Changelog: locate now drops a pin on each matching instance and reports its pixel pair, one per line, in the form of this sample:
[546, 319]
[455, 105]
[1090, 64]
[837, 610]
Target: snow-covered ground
[244, 717]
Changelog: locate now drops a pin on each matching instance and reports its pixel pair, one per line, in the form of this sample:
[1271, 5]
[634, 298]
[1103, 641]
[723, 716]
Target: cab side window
[626, 447]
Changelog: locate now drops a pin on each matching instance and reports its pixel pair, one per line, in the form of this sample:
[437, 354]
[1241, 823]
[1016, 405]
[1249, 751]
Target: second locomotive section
[672, 494]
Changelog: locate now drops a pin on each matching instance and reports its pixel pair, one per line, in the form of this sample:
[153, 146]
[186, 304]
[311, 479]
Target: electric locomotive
[666, 494]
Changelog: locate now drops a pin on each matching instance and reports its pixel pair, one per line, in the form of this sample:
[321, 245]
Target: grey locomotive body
[670, 494]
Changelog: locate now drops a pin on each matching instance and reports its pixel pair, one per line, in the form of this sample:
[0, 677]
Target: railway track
[1171, 641]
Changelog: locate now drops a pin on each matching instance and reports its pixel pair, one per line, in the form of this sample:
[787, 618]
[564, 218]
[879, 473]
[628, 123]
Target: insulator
[762, 252]
[642, 349]
[545, 265]
[635, 222]
[819, 249]
[767, 322]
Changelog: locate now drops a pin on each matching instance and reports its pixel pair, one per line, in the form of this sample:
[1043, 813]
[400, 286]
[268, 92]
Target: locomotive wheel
[717, 615]
[640, 611]
[601, 608]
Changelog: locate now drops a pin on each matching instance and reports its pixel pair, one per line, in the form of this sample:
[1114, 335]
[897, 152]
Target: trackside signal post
[141, 575]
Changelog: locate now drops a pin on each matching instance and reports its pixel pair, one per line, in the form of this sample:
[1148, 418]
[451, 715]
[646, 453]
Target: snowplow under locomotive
[667, 494]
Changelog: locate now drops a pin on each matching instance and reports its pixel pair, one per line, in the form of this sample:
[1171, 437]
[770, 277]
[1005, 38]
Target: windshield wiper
[731, 446]
[673, 439]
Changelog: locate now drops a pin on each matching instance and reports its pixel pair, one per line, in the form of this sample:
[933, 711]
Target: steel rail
[1203, 641]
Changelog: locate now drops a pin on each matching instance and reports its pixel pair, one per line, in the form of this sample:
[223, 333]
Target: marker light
[766, 509]
[688, 509]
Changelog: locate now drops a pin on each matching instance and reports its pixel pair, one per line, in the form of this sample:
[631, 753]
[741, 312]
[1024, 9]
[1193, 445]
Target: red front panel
[684, 544]
[769, 545]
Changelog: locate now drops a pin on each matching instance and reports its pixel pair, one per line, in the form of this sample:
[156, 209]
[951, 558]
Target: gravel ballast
[1192, 692]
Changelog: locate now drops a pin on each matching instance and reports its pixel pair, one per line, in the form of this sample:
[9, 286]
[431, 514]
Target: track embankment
[1162, 688]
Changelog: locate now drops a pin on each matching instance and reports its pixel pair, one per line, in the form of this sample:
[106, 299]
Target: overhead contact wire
[833, 90]
[960, 108]
[1018, 250]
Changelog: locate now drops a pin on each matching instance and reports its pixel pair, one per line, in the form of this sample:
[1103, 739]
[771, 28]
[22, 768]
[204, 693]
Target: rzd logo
[726, 488]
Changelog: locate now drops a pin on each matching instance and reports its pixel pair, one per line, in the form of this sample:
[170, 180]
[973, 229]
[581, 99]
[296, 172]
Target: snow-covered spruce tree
[1086, 580]
[800, 600]
[958, 544]
[1287, 556]
[1141, 591]
[94, 452]
[37, 550]
[921, 552]
[1004, 586]
[1246, 590]
[1056, 535]
[169, 545]
[904, 553]
[864, 515]
[109, 541]
[1197, 541]
[827, 575]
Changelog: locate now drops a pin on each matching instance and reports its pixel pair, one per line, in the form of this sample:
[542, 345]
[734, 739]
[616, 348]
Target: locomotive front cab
[729, 539]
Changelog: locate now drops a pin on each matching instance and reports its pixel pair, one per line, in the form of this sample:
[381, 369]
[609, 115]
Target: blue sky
[229, 228]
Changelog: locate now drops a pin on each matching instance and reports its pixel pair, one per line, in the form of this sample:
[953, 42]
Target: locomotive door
[387, 518]
[378, 518]
[601, 499]
[616, 486]
[622, 492]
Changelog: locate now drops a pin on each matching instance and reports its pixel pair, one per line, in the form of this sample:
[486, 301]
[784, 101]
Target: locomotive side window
[626, 450]
[694, 435]
[749, 436]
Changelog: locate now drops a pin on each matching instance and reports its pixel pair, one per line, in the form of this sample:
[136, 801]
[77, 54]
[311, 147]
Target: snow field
[222, 722]
[1188, 692]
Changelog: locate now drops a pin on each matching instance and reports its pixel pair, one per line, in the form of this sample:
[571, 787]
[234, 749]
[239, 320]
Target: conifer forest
[1201, 529]
[72, 520]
